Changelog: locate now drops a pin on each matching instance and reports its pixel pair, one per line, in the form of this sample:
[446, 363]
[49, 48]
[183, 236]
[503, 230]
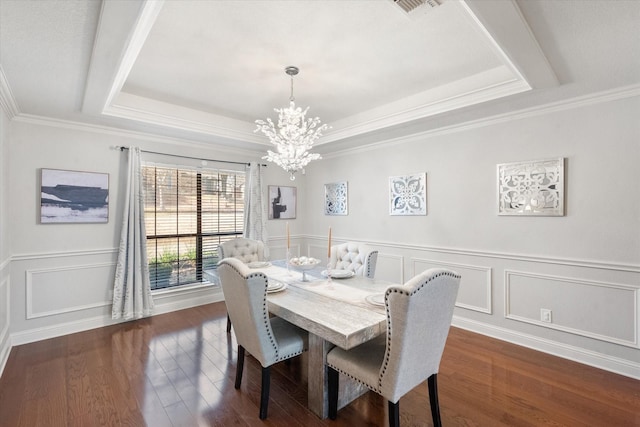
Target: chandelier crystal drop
[294, 135]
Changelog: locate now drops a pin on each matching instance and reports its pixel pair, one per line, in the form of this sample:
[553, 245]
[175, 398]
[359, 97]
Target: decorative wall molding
[29, 292]
[395, 246]
[5, 339]
[509, 274]
[397, 259]
[163, 304]
[194, 297]
[624, 367]
[7, 100]
[4, 264]
[487, 271]
[63, 254]
[5, 291]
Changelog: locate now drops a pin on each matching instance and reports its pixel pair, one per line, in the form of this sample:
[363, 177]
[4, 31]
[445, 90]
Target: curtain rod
[122, 148]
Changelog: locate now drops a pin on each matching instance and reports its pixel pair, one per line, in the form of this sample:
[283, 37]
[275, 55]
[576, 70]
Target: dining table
[344, 310]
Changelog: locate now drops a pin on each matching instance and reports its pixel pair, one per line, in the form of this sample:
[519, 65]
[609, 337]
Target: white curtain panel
[132, 288]
[255, 207]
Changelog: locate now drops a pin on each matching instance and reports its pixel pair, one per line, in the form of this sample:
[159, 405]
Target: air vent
[410, 6]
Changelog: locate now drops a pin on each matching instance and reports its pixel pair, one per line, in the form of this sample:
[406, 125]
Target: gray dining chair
[268, 339]
[419, 316]
[246, 250]
[356, 257]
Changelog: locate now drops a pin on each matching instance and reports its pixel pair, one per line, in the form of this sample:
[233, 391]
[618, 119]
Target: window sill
[176, 290]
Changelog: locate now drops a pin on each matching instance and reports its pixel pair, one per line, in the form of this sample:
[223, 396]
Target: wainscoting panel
[57, 290]
[4, 308]
[5, 342]
[600, 310]
[390, 267]
[475, 286]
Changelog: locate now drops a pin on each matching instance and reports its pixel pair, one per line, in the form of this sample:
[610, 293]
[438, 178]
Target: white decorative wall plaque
[531, 188]
[408, 194]
[336, 198]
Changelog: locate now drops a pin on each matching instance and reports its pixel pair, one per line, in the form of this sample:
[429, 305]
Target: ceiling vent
[412, 6]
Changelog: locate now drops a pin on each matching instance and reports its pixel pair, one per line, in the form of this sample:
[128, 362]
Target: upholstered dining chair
[268, 339]
[246, 250]
[356, 257]
[419, 315]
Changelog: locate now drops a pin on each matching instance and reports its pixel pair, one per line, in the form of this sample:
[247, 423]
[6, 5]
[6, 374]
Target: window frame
[200, 235]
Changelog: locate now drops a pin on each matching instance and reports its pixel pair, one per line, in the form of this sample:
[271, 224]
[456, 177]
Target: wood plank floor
[177, 369]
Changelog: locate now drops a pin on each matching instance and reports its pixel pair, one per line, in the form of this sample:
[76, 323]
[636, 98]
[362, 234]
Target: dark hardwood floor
[177, 369]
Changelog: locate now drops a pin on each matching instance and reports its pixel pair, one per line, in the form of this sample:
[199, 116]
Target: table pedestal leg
[317, 380]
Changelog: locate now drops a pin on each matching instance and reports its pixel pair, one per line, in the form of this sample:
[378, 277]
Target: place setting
[275, 286]
[375, 299]
[259, 264]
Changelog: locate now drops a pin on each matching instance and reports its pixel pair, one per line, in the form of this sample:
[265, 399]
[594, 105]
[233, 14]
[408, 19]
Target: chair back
[419, 315]
[356, 257]
[246, 250]
[245, 294]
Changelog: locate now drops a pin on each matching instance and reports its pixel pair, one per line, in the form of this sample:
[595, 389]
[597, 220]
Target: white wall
[62, 274]
[584, 266]
[5, 247]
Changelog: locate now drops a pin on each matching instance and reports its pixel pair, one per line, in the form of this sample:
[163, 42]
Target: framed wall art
[336, 198]
[73, 197]
[282, 202]
[408, 194]
[533, 188]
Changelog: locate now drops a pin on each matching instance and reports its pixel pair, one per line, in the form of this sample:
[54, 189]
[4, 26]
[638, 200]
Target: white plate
[259, 264]
[375, 299]
[276, 288]
[274, 284]
[339, 274]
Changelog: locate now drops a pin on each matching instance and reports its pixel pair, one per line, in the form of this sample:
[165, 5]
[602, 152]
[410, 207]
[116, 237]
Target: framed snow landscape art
[73, 197]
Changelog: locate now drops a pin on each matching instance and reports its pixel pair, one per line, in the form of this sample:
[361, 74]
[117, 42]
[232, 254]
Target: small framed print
[73, 197]
[282, 202]
[336, 198]
[533, 188]
[408, 194]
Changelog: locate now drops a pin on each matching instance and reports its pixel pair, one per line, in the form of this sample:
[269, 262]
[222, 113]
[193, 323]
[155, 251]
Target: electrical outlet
[545, 315]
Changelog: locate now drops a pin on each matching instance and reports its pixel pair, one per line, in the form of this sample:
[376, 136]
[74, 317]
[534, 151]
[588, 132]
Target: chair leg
[228, 324]
[264, 394]
[239, 366]
[333, 379]
[433, 400]
[394, 414]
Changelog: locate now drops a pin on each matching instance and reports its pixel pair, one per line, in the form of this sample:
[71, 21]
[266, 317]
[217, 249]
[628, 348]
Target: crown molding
[7, 100]
[123, 133]
[548, 108]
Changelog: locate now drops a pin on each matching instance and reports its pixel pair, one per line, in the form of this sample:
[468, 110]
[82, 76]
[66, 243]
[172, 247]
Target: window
[188, 213]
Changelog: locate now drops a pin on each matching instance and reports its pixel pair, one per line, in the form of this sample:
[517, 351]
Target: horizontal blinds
[188, 212]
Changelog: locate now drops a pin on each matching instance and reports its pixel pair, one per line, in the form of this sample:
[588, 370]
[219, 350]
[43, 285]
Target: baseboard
[4, 353]
[61, 329]
[576, 354]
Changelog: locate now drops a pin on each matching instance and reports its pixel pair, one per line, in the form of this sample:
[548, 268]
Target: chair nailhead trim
[390, 326]
[265, 312]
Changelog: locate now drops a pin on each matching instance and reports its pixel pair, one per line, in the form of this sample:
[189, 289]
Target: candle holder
[329, 271]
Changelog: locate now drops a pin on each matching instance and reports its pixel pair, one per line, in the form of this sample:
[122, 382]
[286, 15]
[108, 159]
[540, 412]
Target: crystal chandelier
[294, 135]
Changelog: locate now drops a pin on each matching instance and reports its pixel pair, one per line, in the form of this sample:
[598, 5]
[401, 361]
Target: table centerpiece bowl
[303, 264]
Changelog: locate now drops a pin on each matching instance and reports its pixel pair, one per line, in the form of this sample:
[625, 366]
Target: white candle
[329, 249]
[288, 239]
